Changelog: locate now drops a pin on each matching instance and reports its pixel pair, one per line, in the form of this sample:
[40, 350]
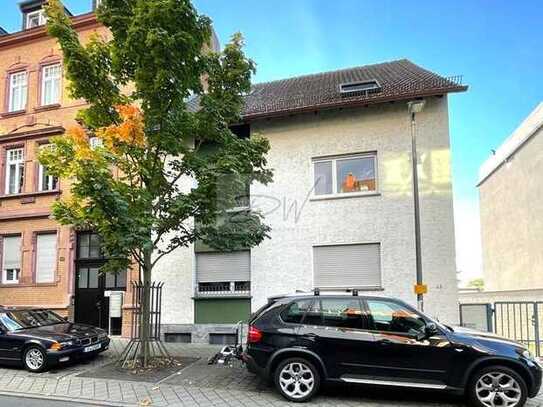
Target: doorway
[92, 288]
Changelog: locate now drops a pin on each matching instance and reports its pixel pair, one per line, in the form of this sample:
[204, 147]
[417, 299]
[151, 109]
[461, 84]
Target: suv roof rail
[316, 291]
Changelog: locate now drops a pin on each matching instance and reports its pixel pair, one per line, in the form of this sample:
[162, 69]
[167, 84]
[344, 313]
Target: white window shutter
[46, 257]
[218, 267]
[347, 266]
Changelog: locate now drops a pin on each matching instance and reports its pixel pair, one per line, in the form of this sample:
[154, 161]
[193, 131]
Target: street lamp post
[415, 107]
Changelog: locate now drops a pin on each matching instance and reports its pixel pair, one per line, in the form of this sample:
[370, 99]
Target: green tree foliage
[477, 283]
[136, 83]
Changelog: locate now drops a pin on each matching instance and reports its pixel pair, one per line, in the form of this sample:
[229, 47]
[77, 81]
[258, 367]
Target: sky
[495, 45]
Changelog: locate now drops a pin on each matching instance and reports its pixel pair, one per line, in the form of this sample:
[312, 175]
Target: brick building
[44, 264]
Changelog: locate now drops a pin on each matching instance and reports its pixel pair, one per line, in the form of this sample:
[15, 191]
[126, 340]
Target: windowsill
[343, 196]
[12, 114]
[239, 209]
[221, 296]
[26, 285]
[30, 194]
[47, 107]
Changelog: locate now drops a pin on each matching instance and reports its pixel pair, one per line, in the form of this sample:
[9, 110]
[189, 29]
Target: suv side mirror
[430, 329]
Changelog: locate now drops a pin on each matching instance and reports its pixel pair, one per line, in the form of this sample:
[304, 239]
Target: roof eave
[346, 104]
[78, 22]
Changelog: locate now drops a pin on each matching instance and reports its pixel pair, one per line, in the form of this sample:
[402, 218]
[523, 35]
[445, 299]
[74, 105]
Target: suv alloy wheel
[497, 386]
[297, 379]
[34, 359]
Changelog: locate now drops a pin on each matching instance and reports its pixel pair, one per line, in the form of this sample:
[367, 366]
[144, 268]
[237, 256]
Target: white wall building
[341, 203]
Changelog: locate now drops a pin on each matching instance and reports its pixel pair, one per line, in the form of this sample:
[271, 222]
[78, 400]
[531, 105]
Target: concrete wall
[284, 263]
[490, 297]
[511, 202]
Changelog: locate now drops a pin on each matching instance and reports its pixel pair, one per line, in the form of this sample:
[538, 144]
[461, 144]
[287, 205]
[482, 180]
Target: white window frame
[54, 271]
[50, 179]
[57, 79]
[42, 18]
[22, 87]
[334, 159]
[19, 163]
[4, 270]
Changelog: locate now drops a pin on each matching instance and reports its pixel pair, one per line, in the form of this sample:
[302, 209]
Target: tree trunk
[145, 316]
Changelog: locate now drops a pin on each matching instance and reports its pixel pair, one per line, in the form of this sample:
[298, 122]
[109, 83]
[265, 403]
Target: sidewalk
[195, 385]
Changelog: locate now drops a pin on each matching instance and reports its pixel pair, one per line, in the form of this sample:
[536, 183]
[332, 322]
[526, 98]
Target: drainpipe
[415, 107]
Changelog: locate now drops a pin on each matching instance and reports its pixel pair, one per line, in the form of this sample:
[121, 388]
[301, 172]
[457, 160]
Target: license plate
[92, 348]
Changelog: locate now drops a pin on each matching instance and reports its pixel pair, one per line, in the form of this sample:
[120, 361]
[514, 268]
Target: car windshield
[23, 319]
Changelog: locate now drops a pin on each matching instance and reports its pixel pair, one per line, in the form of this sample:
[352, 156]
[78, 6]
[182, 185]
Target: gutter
[15, 39]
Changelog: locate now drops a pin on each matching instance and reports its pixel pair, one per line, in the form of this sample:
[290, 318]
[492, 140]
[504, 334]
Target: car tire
[297, 379]
[493, 385]
[35, 359]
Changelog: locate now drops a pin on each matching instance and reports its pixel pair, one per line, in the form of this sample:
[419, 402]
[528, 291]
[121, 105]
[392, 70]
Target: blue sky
[495, 44]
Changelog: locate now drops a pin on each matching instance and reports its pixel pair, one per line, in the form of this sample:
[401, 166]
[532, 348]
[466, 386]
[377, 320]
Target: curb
[69, 399]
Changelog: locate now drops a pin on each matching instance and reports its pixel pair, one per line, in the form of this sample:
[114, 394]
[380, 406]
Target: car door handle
[311, 336]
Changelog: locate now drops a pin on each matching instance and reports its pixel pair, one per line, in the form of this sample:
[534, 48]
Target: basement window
[222, 339]
[178, 337]
[359, 87]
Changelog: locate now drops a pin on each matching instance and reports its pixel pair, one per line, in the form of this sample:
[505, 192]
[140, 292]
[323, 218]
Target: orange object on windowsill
[350, 183]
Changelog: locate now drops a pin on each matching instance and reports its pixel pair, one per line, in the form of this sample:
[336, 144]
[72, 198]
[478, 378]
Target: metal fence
[521, 321]
[155, 308]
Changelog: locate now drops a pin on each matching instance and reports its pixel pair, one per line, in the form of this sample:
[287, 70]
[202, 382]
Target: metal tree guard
[130, 354]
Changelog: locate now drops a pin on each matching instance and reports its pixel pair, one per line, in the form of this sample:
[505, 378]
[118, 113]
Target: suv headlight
[528, 355]
[102, 335]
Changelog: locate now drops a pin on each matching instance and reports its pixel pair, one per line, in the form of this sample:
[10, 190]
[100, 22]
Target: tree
[477, 283]
[130, 189]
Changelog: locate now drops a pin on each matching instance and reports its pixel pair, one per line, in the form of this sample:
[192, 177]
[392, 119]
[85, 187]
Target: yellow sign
[421, 288]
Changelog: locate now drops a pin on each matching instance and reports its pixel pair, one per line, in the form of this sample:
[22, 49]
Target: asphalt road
[9, 401]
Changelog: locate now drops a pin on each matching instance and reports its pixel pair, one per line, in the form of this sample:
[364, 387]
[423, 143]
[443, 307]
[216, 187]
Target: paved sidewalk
[195, 385]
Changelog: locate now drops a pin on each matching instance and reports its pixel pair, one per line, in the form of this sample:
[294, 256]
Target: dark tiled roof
[398, 80]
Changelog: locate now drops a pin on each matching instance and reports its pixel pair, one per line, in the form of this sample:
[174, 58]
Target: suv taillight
[254, 335]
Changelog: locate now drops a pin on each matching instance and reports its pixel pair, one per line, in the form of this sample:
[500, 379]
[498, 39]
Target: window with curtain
[46, 257]
[11, 259]
[18, 86]
[50, 86]
[15, 165]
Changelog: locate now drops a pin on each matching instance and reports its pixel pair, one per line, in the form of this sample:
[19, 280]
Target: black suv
[301, 341]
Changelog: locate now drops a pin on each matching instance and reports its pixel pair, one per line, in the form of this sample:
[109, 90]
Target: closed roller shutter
[214, 267]
[46, 258]
[347, 266]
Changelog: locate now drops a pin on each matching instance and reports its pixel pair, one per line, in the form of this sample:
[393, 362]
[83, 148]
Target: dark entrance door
[91, 286]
